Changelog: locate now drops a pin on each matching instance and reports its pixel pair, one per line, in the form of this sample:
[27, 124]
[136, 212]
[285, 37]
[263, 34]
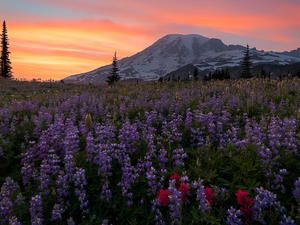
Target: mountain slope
[175, 51]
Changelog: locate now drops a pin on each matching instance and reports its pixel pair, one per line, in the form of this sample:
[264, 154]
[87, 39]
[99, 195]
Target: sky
[53, 39]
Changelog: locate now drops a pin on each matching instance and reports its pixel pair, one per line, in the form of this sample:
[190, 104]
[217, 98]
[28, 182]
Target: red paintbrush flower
[177, 178]
[246, 203]
[184, 189]
[163, 197]
[241, 197]
[209, 195]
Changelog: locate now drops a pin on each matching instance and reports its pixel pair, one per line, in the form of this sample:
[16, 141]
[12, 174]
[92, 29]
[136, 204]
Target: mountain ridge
[174, 51]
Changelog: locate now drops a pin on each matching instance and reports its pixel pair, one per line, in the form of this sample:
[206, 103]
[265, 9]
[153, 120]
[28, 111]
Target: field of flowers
[223, 152]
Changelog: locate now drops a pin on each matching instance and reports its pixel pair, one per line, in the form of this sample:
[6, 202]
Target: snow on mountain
[175, 51]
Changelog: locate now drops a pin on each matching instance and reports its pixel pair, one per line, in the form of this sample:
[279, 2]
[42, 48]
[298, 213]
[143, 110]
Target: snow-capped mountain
[175, 51]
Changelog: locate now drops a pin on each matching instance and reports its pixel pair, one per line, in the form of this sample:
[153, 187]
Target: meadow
[221, 152]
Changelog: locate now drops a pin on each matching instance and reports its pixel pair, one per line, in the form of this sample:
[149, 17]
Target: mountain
[295, 53]
[175, 51]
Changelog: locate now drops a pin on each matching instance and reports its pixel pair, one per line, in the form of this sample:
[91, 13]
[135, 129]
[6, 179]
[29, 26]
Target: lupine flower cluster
[137, 137]
[173, 197]
[36, 210]
[8, 189]
[233, 217]
[265, 200]
[201, 196]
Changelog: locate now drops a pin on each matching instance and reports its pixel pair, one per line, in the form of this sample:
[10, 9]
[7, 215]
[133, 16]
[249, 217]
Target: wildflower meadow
[218, 152]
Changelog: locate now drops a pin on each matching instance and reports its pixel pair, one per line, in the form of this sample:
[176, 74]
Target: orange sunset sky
[58, 38]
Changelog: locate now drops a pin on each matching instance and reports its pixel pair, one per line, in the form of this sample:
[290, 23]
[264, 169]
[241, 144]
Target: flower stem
[180, 215]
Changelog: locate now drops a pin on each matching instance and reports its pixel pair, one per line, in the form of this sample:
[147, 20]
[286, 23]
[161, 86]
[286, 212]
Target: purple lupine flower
[44, 177]
[8, 188]
[79, 178]
[264, 199]
[286, 220]
[20, 199]
[175, 200]
[90, 147]
[36, 210]
[56, 212]
[105, 222]
[5, 208]
[14, 221]
[106, 192]
[179, 155]
[128, 177]
[296, 192]
[189, 119]
[201, 197]
[184, 178]
[158, 217]
[272, 107]
[162, 158]
[223, 192]
[128, 136]
[232, 218]
[53, 161]
[279, 180]
[71, 221]
[62, 180]
[69, 164]
[151, 177]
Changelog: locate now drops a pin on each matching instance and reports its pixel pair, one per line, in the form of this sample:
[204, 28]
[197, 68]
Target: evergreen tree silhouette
[114, 73]
[5, 67]
[263, 74]
[298, 74]
[195, 74]
[246, 64]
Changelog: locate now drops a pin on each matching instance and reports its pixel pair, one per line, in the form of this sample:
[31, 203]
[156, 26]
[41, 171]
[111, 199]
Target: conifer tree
[5, 67]
[246, 64]
[114, 73]
[263, 74]
[195, 74]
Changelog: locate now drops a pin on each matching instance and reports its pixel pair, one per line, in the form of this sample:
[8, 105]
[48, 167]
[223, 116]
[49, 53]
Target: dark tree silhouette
[298, 74]
[173, 78]
[246, 64]
[263, 74]
[195, 74]
[114, 73]
[218, 74]
[5, 67]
